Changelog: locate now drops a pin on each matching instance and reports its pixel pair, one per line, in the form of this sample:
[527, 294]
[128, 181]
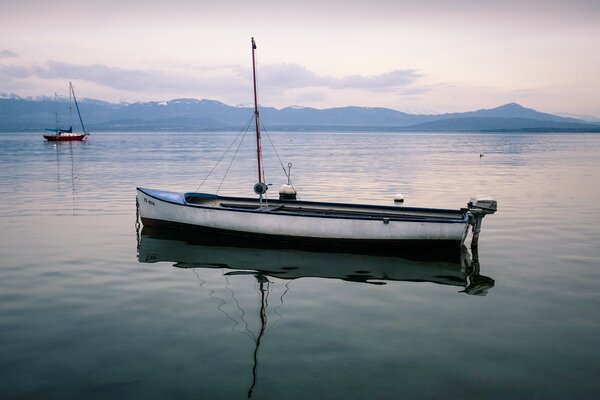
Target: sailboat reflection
[65, 154]
[157, 245]
[463, 271]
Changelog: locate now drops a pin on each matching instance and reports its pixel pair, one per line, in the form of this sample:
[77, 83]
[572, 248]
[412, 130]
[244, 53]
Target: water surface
[85, 313]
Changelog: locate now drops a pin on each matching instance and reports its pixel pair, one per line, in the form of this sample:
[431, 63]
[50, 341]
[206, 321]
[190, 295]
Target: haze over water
[86, 313]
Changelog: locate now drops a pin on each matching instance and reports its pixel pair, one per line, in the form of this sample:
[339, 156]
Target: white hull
[326, 221]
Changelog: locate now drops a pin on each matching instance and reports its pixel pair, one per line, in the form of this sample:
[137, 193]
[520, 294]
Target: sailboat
[287, 222]
[63, 135]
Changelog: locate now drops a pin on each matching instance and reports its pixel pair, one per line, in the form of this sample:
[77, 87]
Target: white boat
[322, 225]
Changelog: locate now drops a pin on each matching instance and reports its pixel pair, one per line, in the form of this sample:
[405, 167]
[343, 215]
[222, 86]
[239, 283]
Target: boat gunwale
[426, 219]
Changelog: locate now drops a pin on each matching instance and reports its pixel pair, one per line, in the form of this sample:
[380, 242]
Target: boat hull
[352, 227]
[64, 138]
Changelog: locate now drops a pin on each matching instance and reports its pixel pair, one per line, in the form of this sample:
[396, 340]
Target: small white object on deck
[287, 192]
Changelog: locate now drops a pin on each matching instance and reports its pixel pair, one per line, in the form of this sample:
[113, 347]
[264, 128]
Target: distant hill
[502, 124]
[25, 114]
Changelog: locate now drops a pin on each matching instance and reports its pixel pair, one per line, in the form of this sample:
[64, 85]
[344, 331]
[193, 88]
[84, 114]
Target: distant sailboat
[63, 135]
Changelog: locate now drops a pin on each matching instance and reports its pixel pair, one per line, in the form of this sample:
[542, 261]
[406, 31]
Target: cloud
[117, 78]
[227, 83]
[8, 72]
[296, 76]
[392, 79]
[132, 79]
[310, 97]
[282, 76]
[12, 78]
[287, 75]
[7, 53]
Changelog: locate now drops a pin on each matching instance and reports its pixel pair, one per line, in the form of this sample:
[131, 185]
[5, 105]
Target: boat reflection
[193, 252]
[67, 171]
[186, 252]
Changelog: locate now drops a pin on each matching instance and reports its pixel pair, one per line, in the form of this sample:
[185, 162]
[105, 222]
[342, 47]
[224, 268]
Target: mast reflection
[191, 252]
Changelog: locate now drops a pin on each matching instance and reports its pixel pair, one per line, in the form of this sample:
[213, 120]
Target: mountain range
[26, 114]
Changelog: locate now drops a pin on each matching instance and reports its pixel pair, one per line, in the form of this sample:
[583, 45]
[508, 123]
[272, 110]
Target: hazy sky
[416, 56]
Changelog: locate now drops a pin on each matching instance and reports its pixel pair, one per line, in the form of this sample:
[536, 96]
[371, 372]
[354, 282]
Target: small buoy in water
[398, 198]
[287, 192]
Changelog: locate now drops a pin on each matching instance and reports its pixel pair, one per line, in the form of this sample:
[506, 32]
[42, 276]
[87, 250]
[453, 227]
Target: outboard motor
[483, 205]
[479, 207]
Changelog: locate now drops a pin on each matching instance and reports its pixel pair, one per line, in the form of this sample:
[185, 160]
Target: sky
[427, 56]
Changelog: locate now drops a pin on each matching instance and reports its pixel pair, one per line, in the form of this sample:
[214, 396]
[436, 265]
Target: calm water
[83, 316]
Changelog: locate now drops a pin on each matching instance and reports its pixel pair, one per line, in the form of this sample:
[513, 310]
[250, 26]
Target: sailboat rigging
[319, 225]
[61, 135]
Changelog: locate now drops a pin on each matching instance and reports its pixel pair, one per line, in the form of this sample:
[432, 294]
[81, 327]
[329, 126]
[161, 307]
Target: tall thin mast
[70, 105]
[256, 116]
[77, 106]
[56, 112]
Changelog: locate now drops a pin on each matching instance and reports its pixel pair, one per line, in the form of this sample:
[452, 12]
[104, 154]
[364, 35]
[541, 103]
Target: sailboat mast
[256, 116]
[70, 105]
[77, 106]
[56, 111]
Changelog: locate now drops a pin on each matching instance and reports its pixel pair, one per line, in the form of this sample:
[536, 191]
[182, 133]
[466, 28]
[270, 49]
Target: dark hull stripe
[420, 249]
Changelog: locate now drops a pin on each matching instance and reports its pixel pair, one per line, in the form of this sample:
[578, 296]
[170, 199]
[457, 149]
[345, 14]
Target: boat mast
[256, 116]
[77, 106]
[55, 112]
[70, 106]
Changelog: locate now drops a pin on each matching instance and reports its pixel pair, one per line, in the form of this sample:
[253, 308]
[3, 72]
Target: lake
[93, 308]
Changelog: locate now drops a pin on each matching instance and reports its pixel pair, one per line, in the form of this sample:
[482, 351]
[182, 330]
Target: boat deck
[321, 209]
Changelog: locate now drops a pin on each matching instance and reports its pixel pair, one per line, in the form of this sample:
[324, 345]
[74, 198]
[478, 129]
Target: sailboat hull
[64, 137]
[315, 225]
